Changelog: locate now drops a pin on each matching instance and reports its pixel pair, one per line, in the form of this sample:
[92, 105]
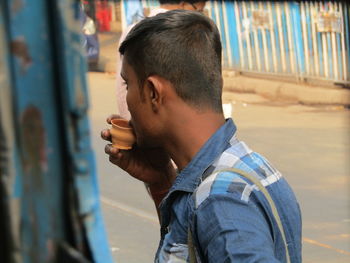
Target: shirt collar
[189, 177]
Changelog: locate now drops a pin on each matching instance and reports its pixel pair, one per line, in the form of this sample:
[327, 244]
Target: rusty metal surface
[48, 183]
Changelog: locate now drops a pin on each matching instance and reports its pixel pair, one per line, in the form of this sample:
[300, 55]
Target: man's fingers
[117, 156]
[114, 160]
[109, 149]
[106, 135]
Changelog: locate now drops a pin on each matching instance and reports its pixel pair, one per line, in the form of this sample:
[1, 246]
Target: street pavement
[309, 145]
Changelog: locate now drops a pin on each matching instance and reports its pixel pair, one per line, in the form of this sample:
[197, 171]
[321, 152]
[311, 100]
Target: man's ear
[154, 90]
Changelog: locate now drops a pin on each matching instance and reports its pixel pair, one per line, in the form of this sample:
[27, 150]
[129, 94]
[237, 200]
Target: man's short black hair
[183, 47]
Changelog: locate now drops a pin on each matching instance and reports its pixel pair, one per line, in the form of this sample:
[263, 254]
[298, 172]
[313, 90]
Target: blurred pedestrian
[165, 5]
[225, 203]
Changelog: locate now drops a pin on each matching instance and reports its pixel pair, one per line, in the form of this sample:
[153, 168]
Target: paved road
[309, 145]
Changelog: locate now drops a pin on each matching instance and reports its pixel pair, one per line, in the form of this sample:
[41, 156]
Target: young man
[172, 68]
[165, 5]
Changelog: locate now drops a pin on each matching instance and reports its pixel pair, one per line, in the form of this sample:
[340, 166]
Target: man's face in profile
[139, 107]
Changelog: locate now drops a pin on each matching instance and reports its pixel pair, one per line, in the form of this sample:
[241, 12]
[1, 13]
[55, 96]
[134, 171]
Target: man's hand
[152, 166]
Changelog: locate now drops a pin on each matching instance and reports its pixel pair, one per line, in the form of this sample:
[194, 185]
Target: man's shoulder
[224, 177]
[224, 184]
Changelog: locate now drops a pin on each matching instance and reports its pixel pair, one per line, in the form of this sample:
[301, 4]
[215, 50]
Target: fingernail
[114, 150]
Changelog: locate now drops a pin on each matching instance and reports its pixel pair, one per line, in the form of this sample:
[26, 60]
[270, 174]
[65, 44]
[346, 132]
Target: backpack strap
[191, 249]
[192, 257]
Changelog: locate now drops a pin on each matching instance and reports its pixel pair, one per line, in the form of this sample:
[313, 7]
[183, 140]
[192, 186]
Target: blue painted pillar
[48, 183]
[297, 29]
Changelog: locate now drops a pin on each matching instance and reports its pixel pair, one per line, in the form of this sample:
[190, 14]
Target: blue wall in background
[295, 39]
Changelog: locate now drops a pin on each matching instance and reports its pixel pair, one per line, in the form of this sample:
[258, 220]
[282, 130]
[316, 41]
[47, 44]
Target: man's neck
[189, 133]
[170, 6]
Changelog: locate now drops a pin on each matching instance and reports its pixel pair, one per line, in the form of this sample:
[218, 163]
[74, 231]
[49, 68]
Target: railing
[305, 39]
[302, 40]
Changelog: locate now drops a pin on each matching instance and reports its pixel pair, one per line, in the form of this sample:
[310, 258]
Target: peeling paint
[48, 190]
[79, 91]
[32, 139]
[3, 69]
[71, 25]
[33, 142]
[19, 49]
[51, 248]
[17, 5]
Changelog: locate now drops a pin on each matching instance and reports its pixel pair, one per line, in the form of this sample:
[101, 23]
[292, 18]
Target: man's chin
[147, 144]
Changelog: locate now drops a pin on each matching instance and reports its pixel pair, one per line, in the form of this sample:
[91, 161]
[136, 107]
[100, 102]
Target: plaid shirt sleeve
[231, 230]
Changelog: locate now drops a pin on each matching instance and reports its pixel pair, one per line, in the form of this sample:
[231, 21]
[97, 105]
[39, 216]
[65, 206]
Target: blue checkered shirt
[228, 216]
